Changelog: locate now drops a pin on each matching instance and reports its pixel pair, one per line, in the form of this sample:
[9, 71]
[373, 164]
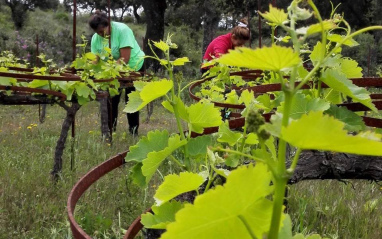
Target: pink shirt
[218, 47]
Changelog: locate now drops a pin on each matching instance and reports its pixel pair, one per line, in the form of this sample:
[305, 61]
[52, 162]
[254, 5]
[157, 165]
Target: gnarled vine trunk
[60, 146]
[340, 166]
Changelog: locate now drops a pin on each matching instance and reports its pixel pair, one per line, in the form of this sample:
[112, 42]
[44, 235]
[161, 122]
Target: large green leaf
[276, 16]
[302, 104]
[198, 145]
[326, 25]
[134, 103]
[317, 54]
[83, 90]
[252, 139]
[339, 82]
[91, 56]
[161, 45]
[232, 98]
[162, 216]
[350, 68]
[154, 159]
[274, 58]
[203, 115]
[39, 84]
[154, 141]
[323, 132]
[175, 185]
[286, 230]
[215, 214]
[180, 61]
[228, 136]
[137, 176]
[7, 81]
[339, 38]
[353, 122]
[179, 105]
[155, 89]
[149, 92]
[332, 96]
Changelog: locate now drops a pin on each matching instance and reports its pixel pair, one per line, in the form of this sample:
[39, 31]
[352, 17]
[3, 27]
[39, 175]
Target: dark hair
[98, 19]
[241, 31]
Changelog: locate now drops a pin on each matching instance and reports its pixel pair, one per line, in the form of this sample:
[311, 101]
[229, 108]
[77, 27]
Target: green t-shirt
[121, 36]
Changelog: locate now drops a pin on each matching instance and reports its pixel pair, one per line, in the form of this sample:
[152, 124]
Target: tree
[116, 6]
[154, 11]
[19, 8]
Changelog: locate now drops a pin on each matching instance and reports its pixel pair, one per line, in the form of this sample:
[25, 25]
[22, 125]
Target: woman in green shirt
[124, 48]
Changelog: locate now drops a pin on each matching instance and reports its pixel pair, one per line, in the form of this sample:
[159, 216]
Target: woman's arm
[125, 55]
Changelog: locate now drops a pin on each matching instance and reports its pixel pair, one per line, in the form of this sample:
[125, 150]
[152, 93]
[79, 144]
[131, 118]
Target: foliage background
[185, 19]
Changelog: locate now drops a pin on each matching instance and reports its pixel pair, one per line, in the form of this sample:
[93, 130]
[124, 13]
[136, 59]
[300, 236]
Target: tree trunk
[60, 146]
[327, 165]
[19, 13]
[211, 20]
[135, 12]
[154, 10]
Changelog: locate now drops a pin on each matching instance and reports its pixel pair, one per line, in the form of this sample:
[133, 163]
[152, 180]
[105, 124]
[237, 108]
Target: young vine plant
[87, 68]
[248, 203]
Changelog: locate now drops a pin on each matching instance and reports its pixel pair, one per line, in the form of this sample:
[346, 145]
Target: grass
[336, 209]
[32, 206]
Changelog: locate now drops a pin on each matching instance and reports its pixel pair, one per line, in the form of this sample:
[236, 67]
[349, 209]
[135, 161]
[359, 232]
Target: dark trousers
[132, 119]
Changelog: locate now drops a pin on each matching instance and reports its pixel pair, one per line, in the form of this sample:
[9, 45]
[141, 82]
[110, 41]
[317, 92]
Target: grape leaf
[286, 230]
[339, 82]
[317, 54]
[247, 98]
[275, 15]
[333, 96]
[7, 81]
[134, 103]
[90, 56]
[39, 84]
[139, 85]
[350, 68]
[252, 139]
[353, 122]
[154, 159]
[154, 90]
[274, 58]
[302, 105]
[83, 90]
[232, 98]
[149, 92]
[215, 214]
[162, 216]
[339, 38]
[175, 185]
[137, 176]
[198, 146]
[315, 28]
[179, 105]
[203, 115]
[323, 132]
[180, 61]
[154, 141]
[161, 45]
[228, 136]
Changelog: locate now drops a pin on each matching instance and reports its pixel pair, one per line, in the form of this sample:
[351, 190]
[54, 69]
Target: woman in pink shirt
[238, 36]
